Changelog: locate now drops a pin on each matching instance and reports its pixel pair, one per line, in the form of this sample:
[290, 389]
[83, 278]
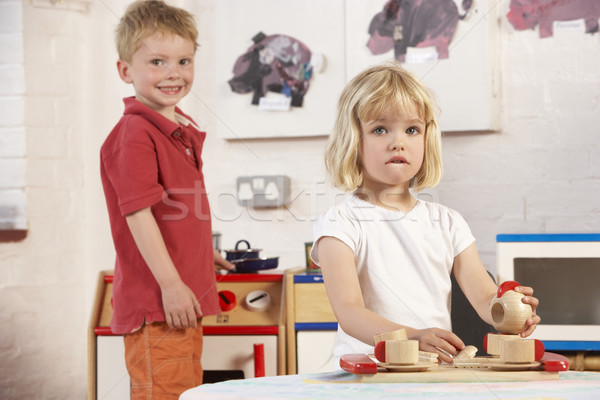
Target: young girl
[385, 255]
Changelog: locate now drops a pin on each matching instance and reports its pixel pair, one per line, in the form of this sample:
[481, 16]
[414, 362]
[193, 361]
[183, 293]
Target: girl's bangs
[387, 101]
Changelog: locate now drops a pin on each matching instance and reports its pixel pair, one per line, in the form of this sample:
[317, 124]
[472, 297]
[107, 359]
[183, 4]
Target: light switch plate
[263, 191]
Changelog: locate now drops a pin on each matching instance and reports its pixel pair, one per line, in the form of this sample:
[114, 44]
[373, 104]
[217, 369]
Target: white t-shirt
[403, 261]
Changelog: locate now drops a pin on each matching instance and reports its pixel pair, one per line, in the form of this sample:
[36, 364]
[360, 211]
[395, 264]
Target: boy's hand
[221, 263]
[181, 307]
[434, 340]
[535, 319]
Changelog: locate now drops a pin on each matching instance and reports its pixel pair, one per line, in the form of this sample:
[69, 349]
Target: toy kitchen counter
[571, 385]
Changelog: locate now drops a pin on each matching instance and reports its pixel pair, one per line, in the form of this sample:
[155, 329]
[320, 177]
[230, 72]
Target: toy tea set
[507, 350]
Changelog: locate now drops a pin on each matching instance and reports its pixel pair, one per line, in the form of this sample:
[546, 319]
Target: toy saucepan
[241, 254]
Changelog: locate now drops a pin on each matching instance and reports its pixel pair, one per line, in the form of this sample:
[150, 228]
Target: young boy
[151, 171]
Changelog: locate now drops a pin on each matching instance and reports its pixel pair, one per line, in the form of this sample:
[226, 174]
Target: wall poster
[550, 15]
[449, 44]
[282, 64]
[281, 67]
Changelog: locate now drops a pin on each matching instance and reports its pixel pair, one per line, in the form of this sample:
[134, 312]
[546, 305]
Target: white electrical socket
[264, 191]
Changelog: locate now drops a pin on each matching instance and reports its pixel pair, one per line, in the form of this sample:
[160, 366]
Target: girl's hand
[535, 319]
[434, 340]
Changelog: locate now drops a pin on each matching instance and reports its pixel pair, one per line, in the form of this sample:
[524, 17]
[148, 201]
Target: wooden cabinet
[311, 303]
[107, 372]
[311, 323]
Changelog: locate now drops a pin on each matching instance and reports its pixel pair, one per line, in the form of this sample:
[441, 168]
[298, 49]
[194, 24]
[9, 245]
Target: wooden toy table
[341, 385]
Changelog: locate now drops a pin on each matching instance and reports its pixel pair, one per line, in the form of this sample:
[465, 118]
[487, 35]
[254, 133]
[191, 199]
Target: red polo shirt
[149, 161]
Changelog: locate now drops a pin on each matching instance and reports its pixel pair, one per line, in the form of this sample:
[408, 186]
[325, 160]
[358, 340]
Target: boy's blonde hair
[144, 18]
[376, 91]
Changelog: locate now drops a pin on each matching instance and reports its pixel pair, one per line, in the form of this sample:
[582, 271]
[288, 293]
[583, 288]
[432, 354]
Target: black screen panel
[568, 288]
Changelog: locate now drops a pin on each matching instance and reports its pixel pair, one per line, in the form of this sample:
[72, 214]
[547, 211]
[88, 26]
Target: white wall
[540, 173]
[12, 126]
[43, 289]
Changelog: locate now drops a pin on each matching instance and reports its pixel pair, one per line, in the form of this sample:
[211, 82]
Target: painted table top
[338, 385]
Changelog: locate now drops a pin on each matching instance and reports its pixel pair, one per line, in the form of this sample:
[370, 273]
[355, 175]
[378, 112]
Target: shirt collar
[162, 123]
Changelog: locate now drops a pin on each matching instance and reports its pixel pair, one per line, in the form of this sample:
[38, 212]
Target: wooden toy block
[425, 356]
[492, 342]
[474, 362]
[521, 350]
[517, 351]
[467, 352]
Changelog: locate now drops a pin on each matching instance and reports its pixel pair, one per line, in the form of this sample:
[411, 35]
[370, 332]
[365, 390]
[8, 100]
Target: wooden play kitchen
[512, 358]
[247, 339]
[284, 310]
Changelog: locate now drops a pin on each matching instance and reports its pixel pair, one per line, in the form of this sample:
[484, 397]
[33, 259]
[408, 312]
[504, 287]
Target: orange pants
[163, 362]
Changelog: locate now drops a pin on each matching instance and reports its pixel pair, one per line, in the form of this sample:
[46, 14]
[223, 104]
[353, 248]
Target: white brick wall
[12, 130]
[43, 317]
[540, 173]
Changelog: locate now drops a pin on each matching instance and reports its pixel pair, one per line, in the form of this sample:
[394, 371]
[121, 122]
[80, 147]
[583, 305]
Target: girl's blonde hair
[144, 18]
[378, 90]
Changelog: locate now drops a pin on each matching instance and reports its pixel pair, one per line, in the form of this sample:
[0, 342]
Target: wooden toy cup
[509, 313]
[399, 334]
[403, 352]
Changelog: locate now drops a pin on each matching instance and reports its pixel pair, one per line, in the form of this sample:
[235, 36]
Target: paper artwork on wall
[275, 63]
[456, 57]
[551, 14]
[417, 23]
[280, 67]
[457, 62]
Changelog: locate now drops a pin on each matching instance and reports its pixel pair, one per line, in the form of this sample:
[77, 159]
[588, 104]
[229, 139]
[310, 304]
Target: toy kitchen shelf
[311, 325]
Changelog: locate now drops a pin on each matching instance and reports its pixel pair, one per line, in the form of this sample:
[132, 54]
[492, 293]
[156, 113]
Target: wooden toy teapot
[509, 313]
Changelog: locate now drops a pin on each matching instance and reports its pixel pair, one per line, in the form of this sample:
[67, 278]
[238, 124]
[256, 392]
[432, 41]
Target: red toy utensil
[552, 362]
[358, 364]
